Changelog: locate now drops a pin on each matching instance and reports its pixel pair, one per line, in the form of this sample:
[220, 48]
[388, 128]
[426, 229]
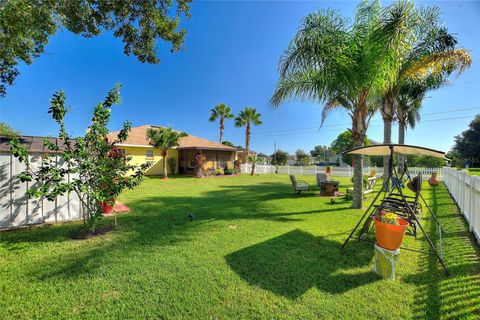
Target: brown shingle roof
[138, 136]
[33, 143]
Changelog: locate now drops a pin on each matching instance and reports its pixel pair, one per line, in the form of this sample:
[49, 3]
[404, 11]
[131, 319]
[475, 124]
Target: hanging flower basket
[389, 230]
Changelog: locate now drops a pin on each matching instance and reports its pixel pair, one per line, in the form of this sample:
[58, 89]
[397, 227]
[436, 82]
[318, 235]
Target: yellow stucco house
[140, 149]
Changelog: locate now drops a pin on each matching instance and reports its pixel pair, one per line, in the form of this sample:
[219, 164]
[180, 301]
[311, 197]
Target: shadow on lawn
[456, 296]
[296, 261]
[163, 220]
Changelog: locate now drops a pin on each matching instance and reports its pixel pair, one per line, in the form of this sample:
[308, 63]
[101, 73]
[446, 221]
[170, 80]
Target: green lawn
[255, 250]
[474, 171]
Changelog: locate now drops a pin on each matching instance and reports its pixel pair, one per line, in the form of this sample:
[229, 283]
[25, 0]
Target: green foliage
[92, 166]
[28, 25]
[301, 158]
[219, 172]
[467, 144]
[322, 153]
[6, 130]
[279, 158]
[422, 161]
[247, 117]
[228, 143]
[165, 138]
[222, 112]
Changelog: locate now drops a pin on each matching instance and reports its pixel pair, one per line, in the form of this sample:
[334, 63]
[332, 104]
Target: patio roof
[402, 149]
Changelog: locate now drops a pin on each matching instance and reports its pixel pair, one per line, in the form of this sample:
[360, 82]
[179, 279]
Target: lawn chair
[299, 185]
[367, 189]
[321, 177]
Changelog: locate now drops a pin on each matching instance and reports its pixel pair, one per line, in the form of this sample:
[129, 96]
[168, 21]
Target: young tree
[344, 65]
[246, 118]
[222, 112]
[92, 167]
[254, 159]
[165, 139]
[7, 130]
[27, 26]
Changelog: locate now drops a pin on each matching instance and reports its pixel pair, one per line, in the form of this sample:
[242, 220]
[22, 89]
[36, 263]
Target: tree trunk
[359, 129]
[387, 111]
[222, 126]
[401, 140]
[164, 154]
[387, 139]
[253, 169]
[247, 142]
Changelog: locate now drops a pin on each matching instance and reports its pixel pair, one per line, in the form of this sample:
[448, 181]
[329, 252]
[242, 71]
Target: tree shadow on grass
[296, 261]
[163, 220]
[458, 295]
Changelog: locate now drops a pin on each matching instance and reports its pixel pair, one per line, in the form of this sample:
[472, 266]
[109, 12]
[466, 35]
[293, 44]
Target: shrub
[219, 172]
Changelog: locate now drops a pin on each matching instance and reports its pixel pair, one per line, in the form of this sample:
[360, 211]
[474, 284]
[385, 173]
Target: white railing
[336, 171]
[465, 190]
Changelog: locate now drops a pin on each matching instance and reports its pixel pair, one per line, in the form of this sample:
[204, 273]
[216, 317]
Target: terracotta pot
[388, 235]
[107, 207]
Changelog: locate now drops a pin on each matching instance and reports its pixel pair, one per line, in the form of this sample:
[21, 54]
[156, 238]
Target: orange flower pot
[389, 236]
[107, 207]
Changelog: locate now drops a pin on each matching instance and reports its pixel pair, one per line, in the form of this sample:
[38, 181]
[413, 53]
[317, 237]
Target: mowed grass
[255, 250]
[474, 171]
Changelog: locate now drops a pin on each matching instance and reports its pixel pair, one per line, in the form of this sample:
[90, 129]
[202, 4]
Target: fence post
[301, 170]
[349, 173]
[315, 170]
[288, 169]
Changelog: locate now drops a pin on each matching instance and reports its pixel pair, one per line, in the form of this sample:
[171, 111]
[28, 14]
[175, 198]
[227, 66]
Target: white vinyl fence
[336, 171]
[465, 190]
[15, 207]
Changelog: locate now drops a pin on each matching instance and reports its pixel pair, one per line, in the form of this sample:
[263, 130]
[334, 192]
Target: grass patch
[254, 250]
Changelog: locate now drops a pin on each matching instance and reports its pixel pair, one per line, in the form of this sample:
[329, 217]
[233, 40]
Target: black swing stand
[395, 195]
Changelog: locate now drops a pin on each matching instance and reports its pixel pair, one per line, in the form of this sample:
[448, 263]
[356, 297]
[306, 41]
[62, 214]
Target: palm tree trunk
[247, 143]
[222, 126]
[387, 139]
[359, 129]
[387, 115]
[253, 169]
[164, 154]
[401, 140]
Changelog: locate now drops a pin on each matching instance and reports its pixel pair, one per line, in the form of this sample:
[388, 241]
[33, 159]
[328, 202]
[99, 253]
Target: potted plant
[389, 230]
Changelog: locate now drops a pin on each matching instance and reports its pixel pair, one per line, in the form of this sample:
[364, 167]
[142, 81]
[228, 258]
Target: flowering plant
[389, 217]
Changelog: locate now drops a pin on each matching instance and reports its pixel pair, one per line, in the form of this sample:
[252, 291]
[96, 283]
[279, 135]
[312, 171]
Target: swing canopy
[401, 149]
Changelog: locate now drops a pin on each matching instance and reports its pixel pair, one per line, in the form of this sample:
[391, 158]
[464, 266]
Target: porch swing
[393, 198]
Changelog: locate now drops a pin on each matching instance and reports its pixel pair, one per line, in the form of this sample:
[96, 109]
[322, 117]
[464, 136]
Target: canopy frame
[392, 172]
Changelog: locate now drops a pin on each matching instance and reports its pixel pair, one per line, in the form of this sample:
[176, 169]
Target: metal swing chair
[394, 199]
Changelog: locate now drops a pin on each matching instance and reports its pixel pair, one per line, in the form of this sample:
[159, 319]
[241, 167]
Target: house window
[149, 154]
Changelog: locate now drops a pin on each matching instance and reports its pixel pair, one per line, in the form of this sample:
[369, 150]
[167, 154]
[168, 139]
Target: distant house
[240, 152]
[141, 150]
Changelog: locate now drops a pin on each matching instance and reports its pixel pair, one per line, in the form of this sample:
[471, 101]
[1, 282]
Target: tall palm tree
[164, 139]
[428, 51]
[222, 112]
[344, 66]
[246, 118]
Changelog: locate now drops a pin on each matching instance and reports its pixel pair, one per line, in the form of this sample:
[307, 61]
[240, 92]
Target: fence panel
[15, 207]
[465, 190]
[336, 171]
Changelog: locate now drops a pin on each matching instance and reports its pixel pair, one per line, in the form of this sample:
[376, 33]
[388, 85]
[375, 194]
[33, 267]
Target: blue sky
[231, 55]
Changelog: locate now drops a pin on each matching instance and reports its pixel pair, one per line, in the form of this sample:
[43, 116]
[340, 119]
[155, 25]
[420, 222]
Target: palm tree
[254, 159]
[222, 112]
[344, 66]
[246, 118]
[430, 53]
[165, 139]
